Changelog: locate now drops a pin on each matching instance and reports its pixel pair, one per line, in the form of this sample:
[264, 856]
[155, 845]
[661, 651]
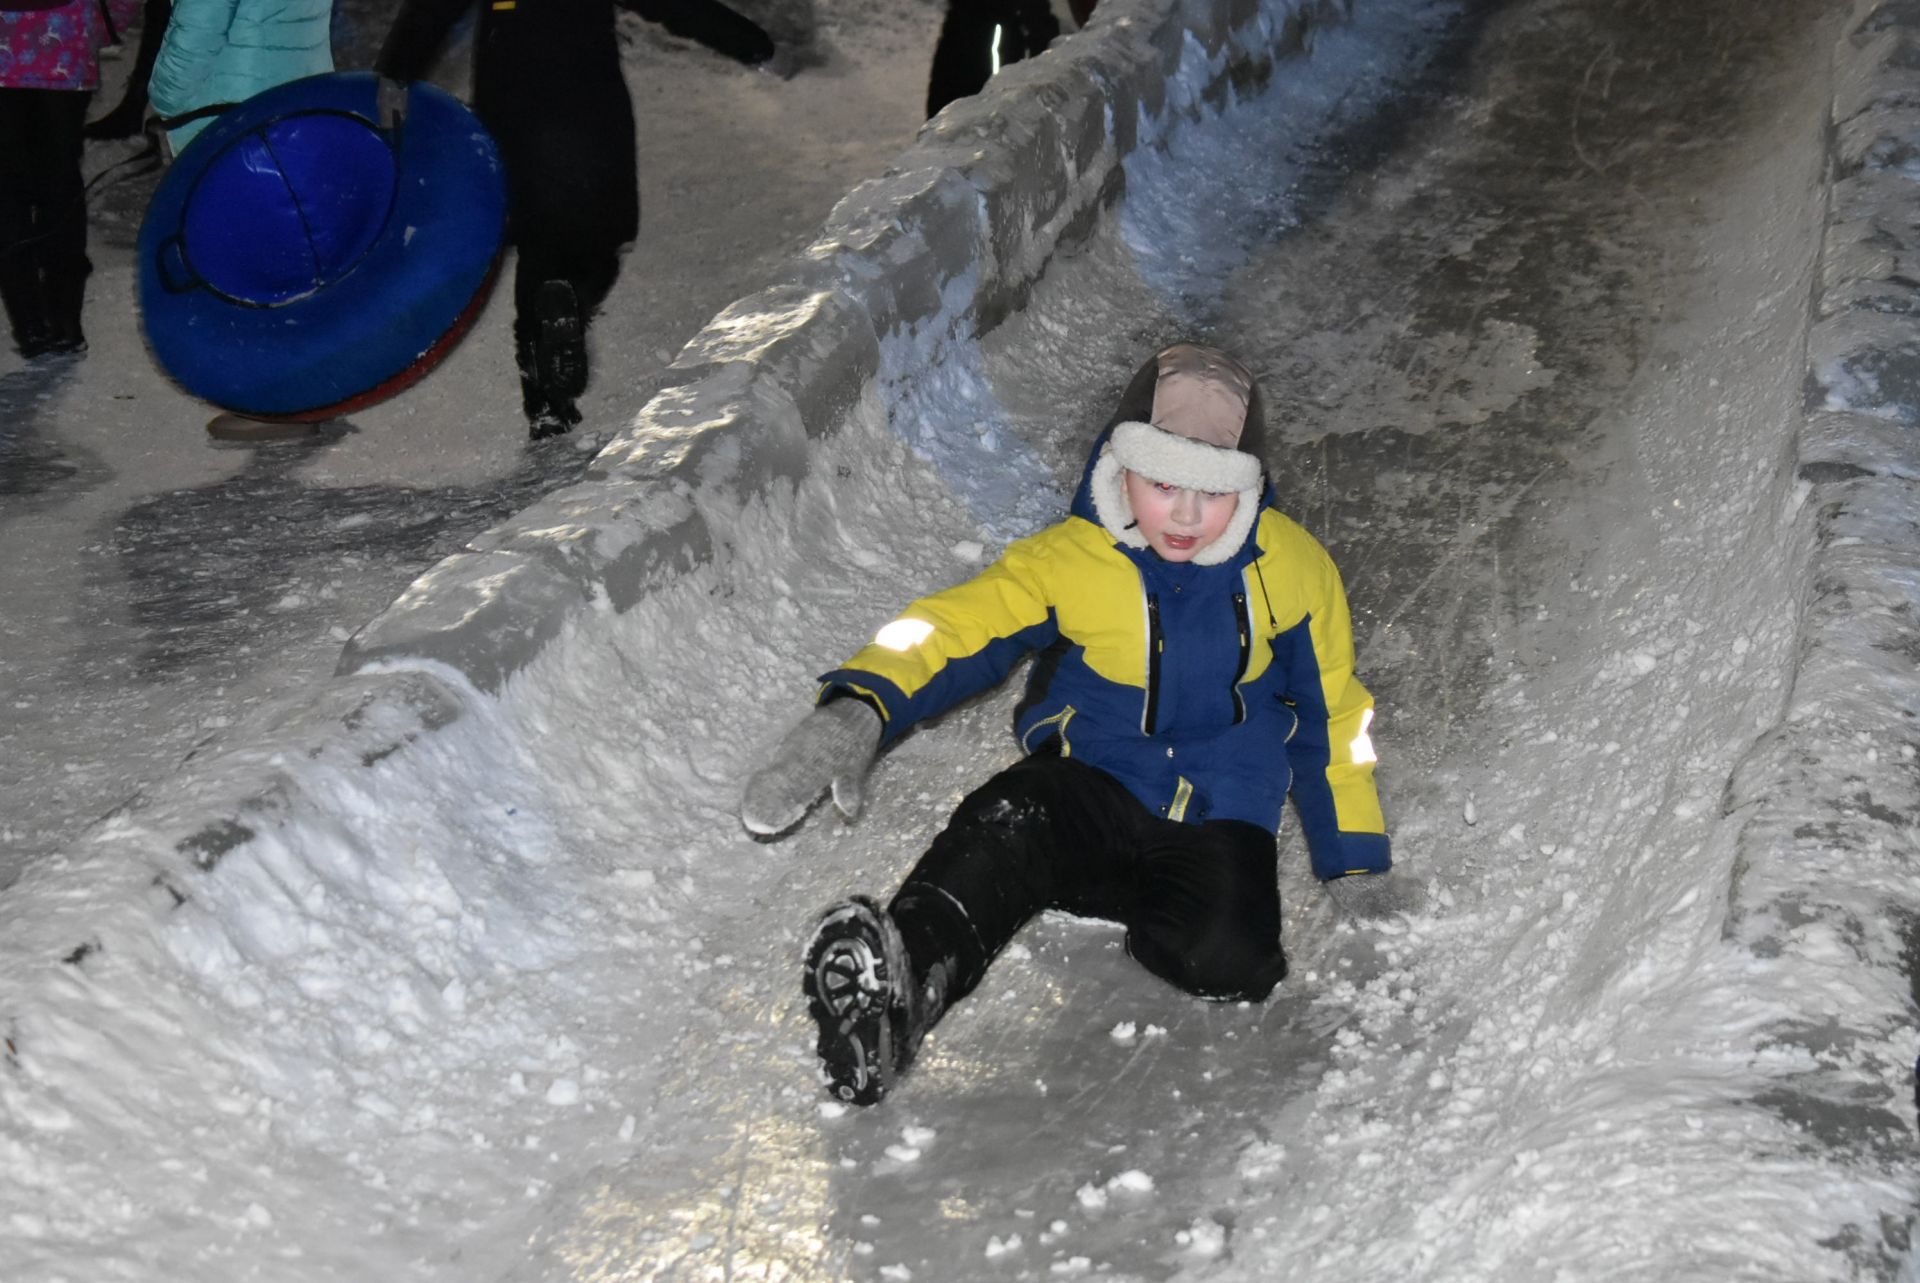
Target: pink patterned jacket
[59, 48]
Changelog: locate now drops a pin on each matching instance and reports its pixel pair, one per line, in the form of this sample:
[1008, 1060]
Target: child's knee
[1240, 970]
[1004, 810]
[1242, 979]
[1021, 800]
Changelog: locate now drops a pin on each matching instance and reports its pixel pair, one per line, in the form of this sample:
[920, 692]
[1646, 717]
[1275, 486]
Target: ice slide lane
[1544, 350]
[370, 985]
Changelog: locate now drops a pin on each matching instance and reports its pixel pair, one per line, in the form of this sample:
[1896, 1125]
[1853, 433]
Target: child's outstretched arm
[953, 644]
[940, 650]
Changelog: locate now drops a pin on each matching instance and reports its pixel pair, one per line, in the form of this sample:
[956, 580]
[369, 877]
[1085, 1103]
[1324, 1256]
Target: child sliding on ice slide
[1195, 666]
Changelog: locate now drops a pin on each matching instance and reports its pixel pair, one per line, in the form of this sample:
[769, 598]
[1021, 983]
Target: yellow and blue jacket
[1211, 692]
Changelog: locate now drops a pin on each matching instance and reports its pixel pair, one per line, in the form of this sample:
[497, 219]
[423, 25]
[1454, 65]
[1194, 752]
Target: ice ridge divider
[1830, 905]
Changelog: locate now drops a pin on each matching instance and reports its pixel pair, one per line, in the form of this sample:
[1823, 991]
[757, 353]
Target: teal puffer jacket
[226, 51]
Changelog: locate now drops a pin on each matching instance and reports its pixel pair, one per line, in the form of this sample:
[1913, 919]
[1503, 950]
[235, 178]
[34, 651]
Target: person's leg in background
[963, 57]
[20, 292]
[64, 265]
[978, 37]
[43, 218]
[574, 197]
[557, 287]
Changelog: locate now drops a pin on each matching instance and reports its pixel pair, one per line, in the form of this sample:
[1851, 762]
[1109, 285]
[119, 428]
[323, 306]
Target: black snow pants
[548, 83]
[43, 215]
[978, 33]
[1200, 902]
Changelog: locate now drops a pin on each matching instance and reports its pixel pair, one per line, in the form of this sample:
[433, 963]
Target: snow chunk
[1133, 1181]
[999, 1247]
[1205, 1237]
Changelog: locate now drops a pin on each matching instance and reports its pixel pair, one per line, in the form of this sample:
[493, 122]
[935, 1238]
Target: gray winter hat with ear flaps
[1192, 418]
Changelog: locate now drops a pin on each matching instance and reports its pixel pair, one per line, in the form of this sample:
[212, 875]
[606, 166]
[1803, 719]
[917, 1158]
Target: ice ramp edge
[1824, 891]
[939, 249]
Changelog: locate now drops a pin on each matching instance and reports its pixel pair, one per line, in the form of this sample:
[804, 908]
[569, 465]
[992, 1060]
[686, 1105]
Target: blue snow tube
[298, 263]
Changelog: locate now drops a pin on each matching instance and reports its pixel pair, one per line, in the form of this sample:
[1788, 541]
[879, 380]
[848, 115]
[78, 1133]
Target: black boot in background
[533, 401]
[65, 290]
[25, 301]
[559, 361]
[549, 414]
[561, 342]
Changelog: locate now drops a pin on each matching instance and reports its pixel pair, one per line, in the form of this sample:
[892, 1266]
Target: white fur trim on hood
[1217, 472]
[1176, 460]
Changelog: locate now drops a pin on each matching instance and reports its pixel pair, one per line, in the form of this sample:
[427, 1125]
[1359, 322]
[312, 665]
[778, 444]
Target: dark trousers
[1200, 903]
[573, 206]
[43, 213]
[963, 56]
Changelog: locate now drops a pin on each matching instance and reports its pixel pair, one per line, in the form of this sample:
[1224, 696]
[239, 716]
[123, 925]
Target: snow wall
[1831, 909]
[909, 267]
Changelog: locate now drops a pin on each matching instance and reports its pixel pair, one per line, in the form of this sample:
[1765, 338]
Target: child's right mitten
[1376, 897]
[831, 748]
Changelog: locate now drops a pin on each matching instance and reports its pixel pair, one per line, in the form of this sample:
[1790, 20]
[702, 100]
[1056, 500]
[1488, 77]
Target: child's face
[1178, 523]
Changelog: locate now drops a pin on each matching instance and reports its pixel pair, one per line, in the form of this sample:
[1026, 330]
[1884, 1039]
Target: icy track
[521, 1001]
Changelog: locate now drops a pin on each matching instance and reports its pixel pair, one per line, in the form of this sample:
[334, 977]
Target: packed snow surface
[520, 1002]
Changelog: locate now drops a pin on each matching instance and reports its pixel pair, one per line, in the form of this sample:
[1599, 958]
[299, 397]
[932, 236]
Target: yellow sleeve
[952, 644]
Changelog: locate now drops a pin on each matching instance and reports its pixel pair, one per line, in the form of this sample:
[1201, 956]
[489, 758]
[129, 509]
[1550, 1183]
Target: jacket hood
[1191, 417]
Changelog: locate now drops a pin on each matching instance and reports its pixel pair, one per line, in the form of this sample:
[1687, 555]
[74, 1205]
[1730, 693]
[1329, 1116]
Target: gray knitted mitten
[832, 747]
[1375, 897]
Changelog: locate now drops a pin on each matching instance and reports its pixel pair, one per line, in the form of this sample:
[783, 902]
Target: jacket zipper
[1246, 653]
[1150, 715]
[1057, 724]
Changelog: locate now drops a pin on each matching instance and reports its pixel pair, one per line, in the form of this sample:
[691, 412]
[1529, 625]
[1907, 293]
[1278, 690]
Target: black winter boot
[861, 992]
[548, 414]
[560, 344]
[25, 302]
[66, 292]
[556, 420]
